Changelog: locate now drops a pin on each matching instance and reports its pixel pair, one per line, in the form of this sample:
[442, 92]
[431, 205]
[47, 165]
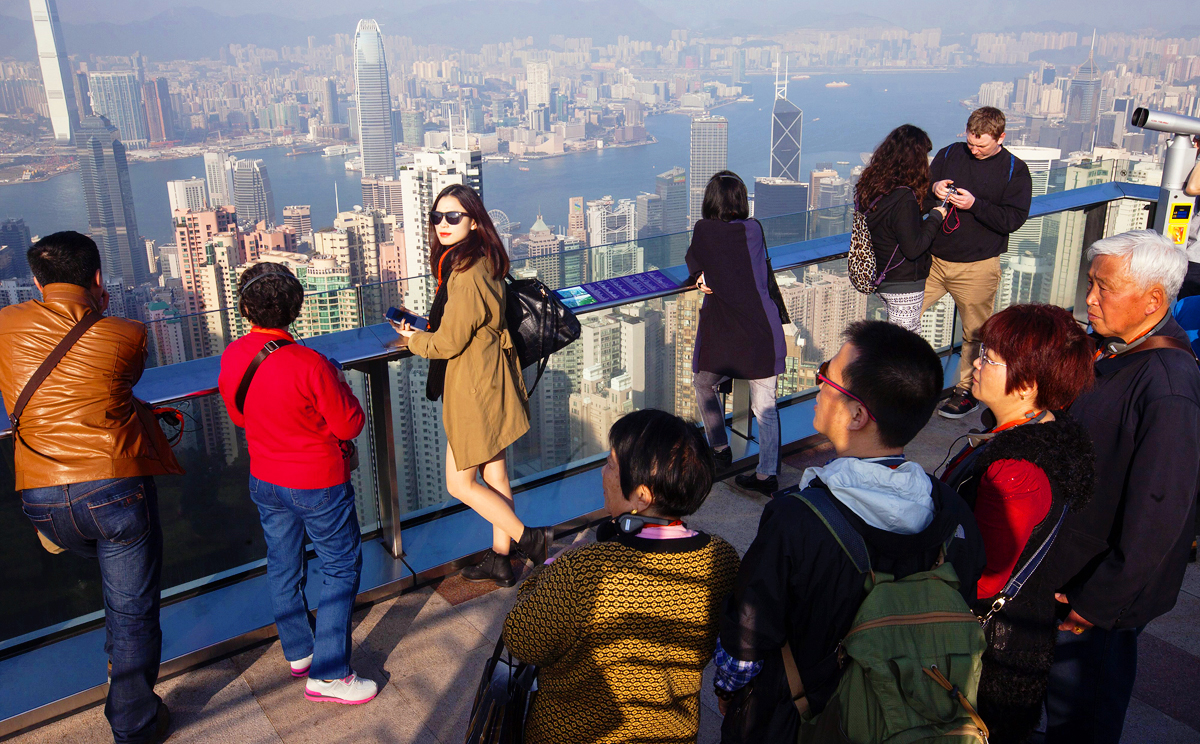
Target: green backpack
[911, 661]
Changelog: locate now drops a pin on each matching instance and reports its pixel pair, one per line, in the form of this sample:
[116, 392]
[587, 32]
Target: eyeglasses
[983, 357]
[435, 218]
[823, 377]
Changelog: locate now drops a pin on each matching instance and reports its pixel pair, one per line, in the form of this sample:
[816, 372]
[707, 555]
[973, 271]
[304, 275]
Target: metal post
[1095, 220]
[741, 408]
[1174, 206]
[383, 436]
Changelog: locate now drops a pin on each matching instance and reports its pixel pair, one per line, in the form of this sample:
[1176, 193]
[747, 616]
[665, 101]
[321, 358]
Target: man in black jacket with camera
[989, 190]
[1127, 549]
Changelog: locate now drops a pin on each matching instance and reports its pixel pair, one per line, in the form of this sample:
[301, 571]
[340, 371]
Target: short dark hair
[65, 257]
[986, 120]
[273, 301]
[897, 375]
[1042, 344]
[665, 454]
[725, 198]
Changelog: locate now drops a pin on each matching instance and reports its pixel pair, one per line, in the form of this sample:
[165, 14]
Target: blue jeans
[1091, 682]
[762, 405]
[331, 521]
[116, 522]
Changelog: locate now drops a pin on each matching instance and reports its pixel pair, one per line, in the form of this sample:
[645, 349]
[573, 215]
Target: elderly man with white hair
[1126, 551]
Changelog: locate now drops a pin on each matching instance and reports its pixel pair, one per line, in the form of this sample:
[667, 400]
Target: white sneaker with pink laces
[352, 690]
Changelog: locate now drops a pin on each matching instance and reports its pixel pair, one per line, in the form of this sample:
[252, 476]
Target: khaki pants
[973, 286]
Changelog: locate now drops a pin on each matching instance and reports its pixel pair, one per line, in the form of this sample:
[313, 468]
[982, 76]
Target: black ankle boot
[535, 543]
[494, 567]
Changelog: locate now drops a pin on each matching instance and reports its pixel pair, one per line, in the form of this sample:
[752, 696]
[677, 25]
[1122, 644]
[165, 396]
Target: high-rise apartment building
[252, 194]
[187, 194]
[218, 173]
[384, 194]
[56, 70]
[165, 334]
[787, 122]
[672, 188]
[209, 247]
[374, 102]
[423, 181]
[329, 101]
[537, 84]
[709, 155]
[117, 96]
[160, 121]
[14, 244]
[109, 198]
[299, 218]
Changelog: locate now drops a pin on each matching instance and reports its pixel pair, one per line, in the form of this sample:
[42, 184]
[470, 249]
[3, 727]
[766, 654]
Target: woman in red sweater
[298, 411]
[1031, 464]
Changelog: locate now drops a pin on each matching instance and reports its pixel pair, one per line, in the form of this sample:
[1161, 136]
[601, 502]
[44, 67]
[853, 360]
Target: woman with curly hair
[890, 192]
[1031, 465]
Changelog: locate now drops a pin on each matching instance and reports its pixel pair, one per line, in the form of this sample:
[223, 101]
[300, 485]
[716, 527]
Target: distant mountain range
[193, 33]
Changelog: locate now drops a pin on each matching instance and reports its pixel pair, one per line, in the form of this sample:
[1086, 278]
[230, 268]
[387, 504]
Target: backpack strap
[268, 349]
[820, 501]
[47, 366]
[1012, 163]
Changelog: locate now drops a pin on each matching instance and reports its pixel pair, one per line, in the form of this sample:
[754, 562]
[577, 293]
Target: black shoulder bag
[540, 324]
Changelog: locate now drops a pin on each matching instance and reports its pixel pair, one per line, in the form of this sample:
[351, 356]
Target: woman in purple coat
[740, 334]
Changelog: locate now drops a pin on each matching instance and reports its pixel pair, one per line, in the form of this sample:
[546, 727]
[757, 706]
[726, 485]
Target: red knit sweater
[296, 412]
[1013, 497]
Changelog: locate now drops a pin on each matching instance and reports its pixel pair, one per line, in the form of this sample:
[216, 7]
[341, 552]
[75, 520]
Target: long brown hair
[902, 159]
[482, 242]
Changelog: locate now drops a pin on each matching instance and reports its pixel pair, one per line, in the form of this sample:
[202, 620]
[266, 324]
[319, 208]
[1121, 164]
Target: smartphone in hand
[404, 316]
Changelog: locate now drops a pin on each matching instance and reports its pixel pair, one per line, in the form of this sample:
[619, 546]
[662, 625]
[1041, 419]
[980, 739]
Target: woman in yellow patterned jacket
[621, 629]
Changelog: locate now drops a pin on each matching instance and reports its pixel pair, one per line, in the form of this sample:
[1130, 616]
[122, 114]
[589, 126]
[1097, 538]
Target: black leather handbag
[540, 324]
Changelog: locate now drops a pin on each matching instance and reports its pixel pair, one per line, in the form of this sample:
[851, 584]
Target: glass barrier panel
[210, 525]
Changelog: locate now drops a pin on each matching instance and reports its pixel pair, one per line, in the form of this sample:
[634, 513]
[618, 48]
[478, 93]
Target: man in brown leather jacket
[85, 461]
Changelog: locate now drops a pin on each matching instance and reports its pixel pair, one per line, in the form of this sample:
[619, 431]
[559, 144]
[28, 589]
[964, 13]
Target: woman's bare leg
[488, 500]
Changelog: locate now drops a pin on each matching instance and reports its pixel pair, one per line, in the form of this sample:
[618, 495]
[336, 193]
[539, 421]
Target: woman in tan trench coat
[474, 365]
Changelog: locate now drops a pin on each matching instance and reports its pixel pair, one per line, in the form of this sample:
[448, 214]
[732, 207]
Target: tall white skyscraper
[374, 102]
[219, 176]
[187, 194]
[423, 181]
[56, 70]
[118, 97]
[537, 84]
[710, 152]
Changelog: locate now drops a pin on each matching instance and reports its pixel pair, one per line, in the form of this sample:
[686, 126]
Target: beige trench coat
[484, 406]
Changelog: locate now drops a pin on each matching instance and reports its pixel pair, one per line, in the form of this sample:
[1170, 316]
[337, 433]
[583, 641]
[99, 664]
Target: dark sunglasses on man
[823, 377]
[452, 218]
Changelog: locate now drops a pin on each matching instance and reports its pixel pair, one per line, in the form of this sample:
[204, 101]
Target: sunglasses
[823, 377]
[453, 218]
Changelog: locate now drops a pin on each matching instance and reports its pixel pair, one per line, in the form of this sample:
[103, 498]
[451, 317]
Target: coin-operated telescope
[1175, 208]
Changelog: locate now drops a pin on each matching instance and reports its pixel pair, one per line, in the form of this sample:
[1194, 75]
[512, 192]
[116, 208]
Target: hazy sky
[1172, 17]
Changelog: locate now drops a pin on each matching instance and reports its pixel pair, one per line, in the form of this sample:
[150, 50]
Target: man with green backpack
[849, 621]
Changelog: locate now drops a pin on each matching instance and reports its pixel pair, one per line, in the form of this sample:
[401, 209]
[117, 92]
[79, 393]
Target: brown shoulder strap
[1163, 342]
[43, 371]
[795, 684]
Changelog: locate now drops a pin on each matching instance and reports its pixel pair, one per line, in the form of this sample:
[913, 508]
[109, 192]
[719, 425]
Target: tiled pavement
[426, 649]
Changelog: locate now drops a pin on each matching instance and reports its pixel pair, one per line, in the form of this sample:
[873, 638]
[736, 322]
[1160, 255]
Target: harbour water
[840, 124]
